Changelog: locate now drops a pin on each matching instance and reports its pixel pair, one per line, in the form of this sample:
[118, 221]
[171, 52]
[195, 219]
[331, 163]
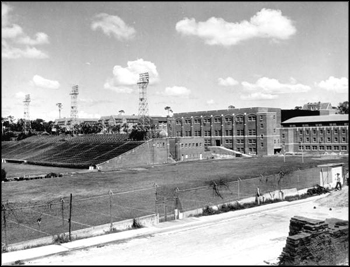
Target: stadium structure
[235, 132]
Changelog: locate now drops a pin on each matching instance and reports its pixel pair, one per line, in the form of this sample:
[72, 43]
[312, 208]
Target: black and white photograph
[174, 133]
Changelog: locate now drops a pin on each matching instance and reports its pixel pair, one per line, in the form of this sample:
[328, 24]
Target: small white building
[328, 174]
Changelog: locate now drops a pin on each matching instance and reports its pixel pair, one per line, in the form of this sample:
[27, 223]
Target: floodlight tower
[59, 109]
[143, 105]
[26, 124]
[74, 105]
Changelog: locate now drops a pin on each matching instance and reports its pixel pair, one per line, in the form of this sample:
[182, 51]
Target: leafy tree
[343, 108]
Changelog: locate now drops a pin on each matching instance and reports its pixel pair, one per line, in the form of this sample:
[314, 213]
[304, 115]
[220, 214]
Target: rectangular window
[251, 132]
[274, 117]
[336, 147]
[206, 133]
[307, 139]
[217, 132]
[343, 131]
[306, 125]
[307, 147]
[178, 133]
[314, 139]
[206, 120]
[262, 136]
[261, 126]
[228, 132]
[283, 136]
[300, 131]
[314, 147]
[216, 119]
[328, 131]
[307, 132]
[197, 120]
[240, 132]
[197, 133]
[187, 121]
[328, 139]
[261, 117]
[178, 122]
[328, 147]
[343, 148]
[321, 139]
[228, 119]
[321, 147]
[228, 141]
[314, 131]
[187, 133]
[301, 147]
[321, 131]
[261, 145]
[336, 131]
[335, 139]
[343, 139]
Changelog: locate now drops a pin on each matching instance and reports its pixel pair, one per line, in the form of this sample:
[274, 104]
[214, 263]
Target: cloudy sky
[200, 56]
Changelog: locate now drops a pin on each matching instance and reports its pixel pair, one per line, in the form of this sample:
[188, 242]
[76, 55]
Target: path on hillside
[248, 240]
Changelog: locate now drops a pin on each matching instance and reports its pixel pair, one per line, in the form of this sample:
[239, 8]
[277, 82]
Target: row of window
[321, 139]
[322, 148]
[321, 131]
[187, 145]
[238, 119]
[217, 133]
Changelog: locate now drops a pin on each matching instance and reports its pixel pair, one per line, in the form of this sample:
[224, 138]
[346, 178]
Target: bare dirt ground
[255, 239]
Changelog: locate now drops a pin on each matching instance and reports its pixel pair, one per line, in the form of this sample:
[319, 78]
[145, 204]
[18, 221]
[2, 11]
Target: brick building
[247, 130]
[316, 134]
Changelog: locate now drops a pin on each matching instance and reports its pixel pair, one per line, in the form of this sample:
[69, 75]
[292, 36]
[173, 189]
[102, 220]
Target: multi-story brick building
[316, 134]
[247, 130]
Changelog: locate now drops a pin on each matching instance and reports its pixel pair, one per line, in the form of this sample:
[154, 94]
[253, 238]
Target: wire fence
[32, 220]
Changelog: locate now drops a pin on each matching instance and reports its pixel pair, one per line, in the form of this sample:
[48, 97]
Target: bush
[136, 224]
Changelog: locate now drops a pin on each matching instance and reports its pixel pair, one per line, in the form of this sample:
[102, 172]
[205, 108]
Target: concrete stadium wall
[152, 152]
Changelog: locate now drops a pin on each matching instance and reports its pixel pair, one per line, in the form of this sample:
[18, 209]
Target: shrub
[209, 211]
[136, 224]
[61, 238]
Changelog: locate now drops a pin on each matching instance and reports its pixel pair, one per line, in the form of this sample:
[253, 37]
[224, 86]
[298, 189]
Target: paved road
[230, 240]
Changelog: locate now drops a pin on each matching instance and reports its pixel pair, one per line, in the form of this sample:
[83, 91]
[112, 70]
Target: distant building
[323, 108]
[316, 134]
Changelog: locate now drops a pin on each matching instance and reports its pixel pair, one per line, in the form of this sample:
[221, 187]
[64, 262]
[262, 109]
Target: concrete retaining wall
[145, 221]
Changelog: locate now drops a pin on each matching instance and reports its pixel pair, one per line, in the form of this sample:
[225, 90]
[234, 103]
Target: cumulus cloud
[335, 84]
[13, 34]
[45, 83]
[83, 114]
[268, 85]
[20, 95]
[267, 23]
[126, 77]
[258, 96]
[113, 25]
[176, 91]
[11, 52]
[227, 82]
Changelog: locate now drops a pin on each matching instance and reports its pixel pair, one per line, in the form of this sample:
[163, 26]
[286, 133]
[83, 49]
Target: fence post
[70, 218]
[3, 209]
[62, 208]
[165, 219]
[176, 210]
[110, 207]
[155, 200]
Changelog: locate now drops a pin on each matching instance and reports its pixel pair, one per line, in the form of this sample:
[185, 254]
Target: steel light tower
[59, 109]
[26, 124]
[74, 104]
[143, 104]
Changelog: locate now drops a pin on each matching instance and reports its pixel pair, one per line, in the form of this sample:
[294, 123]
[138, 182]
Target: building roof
[322, 118]
[226, 111]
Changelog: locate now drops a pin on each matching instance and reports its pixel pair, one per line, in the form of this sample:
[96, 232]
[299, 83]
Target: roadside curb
[11, 258]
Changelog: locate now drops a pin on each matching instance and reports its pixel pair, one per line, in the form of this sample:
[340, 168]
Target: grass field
[91, 201]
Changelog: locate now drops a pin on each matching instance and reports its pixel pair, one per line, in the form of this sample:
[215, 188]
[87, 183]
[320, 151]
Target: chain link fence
[33, 220]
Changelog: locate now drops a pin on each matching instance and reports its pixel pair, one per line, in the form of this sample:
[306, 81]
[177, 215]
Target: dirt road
[254, 239]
